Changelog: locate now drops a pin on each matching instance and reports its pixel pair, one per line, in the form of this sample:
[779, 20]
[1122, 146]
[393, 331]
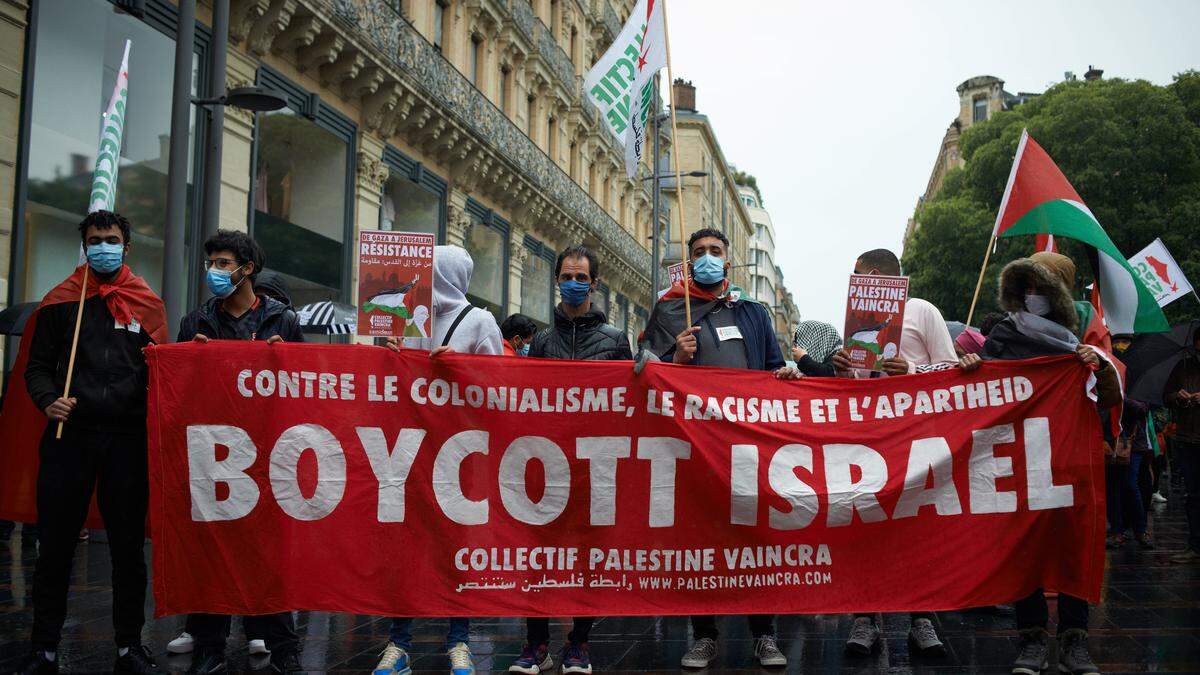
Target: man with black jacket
[237, 312]
[103, 435]
[1182, 396]
[580, 333]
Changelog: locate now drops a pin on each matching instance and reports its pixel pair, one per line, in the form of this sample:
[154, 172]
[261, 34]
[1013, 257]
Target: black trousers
[1033, 612]
[706, 626]
[537, 631]
[212, 630]
[114, 465]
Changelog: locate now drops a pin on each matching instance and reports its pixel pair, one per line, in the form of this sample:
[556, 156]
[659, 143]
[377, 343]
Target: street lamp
[254, 99]
[691, 174]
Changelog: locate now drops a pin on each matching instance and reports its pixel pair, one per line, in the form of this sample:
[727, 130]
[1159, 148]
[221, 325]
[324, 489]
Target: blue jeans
[402, 632]
[1125, 509]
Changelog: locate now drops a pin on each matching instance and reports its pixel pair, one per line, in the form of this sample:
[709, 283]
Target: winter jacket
[1022, 335]
[1185, 376]
[584, 338]
[110, 376]
[268, 319]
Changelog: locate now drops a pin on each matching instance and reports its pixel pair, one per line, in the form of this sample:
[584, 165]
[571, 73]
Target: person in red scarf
[103, 444]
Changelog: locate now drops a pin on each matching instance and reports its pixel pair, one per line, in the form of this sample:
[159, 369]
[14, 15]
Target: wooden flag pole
[687, 296]
[74, 342]
[978, 284]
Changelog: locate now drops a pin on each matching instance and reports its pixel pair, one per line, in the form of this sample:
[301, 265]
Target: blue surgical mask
[220, 284]
[574, 293]
[708, 270]
[105, 258]
[524, 350]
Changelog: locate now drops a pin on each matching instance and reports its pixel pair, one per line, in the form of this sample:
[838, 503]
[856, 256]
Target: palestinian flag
[1039, 200]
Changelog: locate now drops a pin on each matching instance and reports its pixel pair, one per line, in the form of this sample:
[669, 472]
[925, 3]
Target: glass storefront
[78, 52]
[537, 293]
[487, 245]
[413, 199]
[299, 194]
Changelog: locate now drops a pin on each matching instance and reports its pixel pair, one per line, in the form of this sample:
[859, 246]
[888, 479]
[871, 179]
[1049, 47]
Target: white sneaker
[460, 660]
[184, 644]
[1157, 498]
[258, 647]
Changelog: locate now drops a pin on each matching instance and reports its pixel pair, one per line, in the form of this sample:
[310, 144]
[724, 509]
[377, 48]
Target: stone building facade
[766, 277]
[711, 200]
[458, 117]
[979, 99]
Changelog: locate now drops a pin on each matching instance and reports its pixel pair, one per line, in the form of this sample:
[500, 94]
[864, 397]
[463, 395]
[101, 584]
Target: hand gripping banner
[355, 479]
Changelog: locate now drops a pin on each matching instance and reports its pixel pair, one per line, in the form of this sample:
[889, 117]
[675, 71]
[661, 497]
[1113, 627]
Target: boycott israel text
[342, 478]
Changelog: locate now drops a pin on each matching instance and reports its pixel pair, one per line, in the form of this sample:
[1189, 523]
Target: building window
[574, 161]
[537, 283]
[476, 56]
[555, 18]
[599, 298]
[505, 90]
[300, 188]
[980, 110]
[413, 199]
[79, 49]
[441, 26]
[530, 108]
[487, 242]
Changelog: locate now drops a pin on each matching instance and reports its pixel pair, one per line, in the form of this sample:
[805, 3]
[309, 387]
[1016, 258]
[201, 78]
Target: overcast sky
[838, 108]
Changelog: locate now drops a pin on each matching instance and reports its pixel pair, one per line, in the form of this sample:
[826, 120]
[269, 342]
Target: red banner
[354, 479]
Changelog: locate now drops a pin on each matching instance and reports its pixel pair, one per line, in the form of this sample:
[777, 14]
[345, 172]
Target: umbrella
[12, 319]
[328, 318]
[1151, 358]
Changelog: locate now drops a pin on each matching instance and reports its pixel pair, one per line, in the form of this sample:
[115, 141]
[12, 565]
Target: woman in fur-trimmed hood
[1041, 322]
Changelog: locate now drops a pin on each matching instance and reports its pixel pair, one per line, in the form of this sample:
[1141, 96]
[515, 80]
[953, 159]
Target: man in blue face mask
[580, 332]
[233, 261]
[727, 332]
[518, 331]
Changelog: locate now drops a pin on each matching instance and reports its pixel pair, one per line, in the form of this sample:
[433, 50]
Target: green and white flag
[621, 84]
[108, 157]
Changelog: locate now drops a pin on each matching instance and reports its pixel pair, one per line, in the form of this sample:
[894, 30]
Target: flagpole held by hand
[978, 284]
[74, 343]
[687, 296]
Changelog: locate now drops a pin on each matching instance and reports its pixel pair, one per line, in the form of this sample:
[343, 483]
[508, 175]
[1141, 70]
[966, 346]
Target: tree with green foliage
[1131, 149]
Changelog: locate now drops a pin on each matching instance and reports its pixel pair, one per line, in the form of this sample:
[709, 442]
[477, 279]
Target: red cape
[22, 424]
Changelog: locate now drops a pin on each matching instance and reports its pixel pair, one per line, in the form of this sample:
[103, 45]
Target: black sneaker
[136, 660]
[923, 639]
[206, 661]
[1073, 656]
[864, 637]
[285, 661]
[37, 664]
[1031, 653]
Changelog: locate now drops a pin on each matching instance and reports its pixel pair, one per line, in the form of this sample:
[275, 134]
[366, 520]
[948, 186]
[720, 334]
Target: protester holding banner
[580, 331]
[1042, 321]
[925, 344]
[729, 332]
[1126, 507]
[1182, 396]
[237, 311]
[458, 327]
[518, 331]
[103, 440]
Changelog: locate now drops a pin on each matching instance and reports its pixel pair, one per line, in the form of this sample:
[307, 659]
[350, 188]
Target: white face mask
[1037, 304]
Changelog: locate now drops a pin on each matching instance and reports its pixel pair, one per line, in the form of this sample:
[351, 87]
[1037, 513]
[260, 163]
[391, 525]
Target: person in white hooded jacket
[462, 328]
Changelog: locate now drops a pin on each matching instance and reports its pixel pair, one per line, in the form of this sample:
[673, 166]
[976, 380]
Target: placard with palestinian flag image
[874, 319]
[395, 285]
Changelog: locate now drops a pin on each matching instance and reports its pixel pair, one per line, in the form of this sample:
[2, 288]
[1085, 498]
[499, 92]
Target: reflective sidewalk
[1149, 621]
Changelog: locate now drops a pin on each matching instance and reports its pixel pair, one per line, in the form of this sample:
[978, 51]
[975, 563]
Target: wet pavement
[1149, 621]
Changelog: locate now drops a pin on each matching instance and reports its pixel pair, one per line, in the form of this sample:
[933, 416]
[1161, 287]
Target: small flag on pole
[108, 157]
[621, 84]
[1162, 275]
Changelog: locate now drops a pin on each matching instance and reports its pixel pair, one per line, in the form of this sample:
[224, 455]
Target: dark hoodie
[1185, 376]
[587, 337]
[1022, 335]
